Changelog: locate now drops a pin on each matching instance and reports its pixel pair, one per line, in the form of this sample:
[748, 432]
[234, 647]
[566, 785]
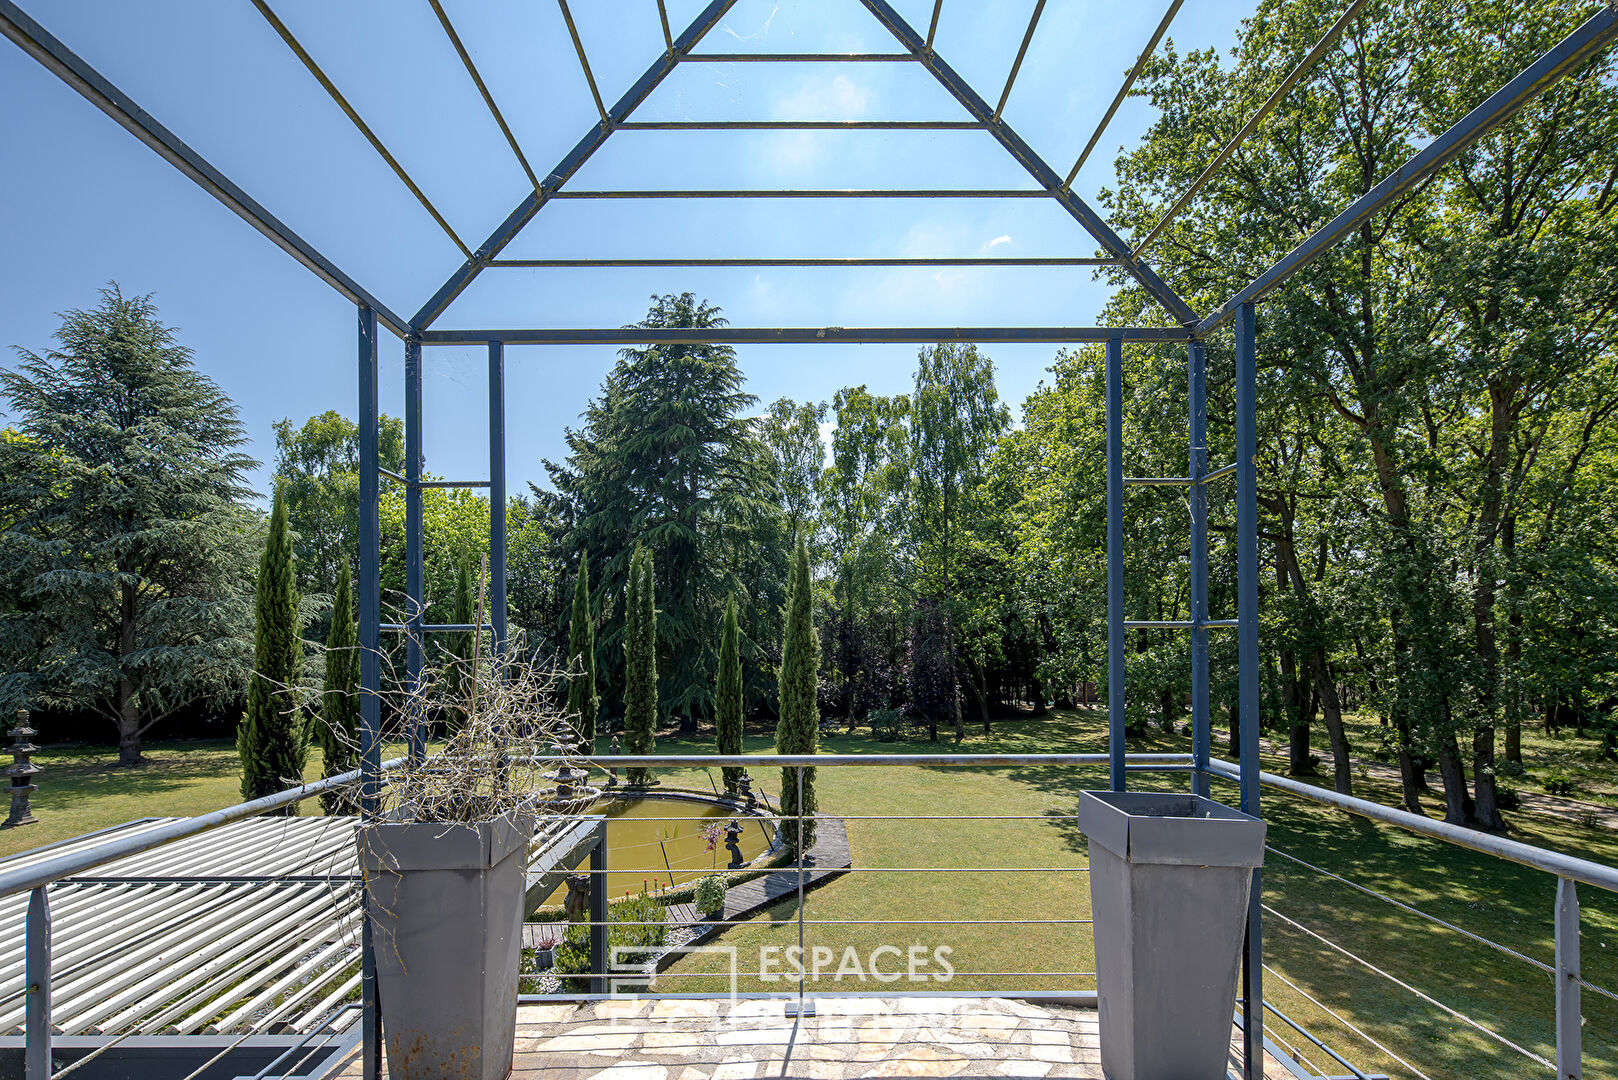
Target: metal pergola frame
[1188, 326]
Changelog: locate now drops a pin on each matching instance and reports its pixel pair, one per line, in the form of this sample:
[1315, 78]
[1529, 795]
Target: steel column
[1197, 378]
[37, 977]
[370, 605]
[600, 962]
[497, 496]
[1248, 659]
[1115, 563]
[415, 588]
[1569, 1049]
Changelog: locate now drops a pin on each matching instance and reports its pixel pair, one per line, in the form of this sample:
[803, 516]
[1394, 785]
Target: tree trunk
[1454, 774]
[128, 703]
[1331, 708]
[1487, 809]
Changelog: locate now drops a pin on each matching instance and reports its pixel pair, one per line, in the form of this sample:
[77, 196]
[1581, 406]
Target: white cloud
[996, 242]
[822, 98]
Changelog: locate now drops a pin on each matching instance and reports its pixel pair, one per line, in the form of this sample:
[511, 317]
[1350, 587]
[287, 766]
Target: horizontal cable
[855, 922]
[1341, 1020]
[1402, 906]
[438, 628]
[1055, 260]
[803, 58]
[802, 125]
[786, 976]
[348, 110]
[811, 193]
[790, 868]
[1462, 1017]
[1303, 67]
[1301, 1030]
[1174, 624]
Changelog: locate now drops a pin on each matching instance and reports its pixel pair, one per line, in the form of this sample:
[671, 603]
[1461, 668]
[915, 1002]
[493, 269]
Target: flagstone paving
[675, 1039]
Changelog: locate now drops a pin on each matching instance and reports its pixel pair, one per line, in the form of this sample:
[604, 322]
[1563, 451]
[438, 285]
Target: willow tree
[582, 701]
[798, 729]
[640, 663]
[728, 696]
[271, 738]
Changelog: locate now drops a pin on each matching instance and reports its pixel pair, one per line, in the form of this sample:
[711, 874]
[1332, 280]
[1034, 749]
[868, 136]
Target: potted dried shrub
[445, 870]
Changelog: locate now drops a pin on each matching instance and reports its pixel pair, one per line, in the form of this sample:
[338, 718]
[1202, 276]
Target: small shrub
[1589, 818]
[635, 942]
[1507, 797]
[888, 725]
[1557, 783]
[711, 894]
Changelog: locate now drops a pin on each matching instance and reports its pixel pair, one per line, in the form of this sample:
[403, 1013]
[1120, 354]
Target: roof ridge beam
[1025, 156]
[571, 162]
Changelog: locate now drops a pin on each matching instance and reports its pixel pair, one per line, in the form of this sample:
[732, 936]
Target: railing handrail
[1583, 871]
[620, 761]
[25, 878]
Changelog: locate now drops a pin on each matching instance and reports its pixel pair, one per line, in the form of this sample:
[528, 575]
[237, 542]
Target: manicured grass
[1507, 903]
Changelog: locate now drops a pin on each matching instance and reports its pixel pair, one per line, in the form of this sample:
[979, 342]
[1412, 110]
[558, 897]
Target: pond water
[660, 842]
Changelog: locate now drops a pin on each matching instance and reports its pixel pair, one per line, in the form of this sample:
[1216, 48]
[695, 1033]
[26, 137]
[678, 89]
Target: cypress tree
[338, 729]
[640, 663]
[798, 730]
[459, 648]
[582, 701]
[728, 696]
[271, 739]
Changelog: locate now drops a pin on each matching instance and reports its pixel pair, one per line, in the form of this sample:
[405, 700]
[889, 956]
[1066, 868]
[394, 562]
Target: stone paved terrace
[755, 1040]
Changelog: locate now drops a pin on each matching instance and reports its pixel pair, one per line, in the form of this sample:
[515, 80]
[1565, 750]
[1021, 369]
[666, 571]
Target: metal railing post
[497, 503]
[599, 938]
[370, 614]
[1569, 1039]
[1116, 748]
[37, 973]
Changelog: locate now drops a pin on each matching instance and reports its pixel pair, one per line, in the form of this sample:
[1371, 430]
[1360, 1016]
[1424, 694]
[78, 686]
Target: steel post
[599, 960]
[1569, 1048]
[1248, 660]
[415, 588]
[1115, 562]
[497, 496]
[37, 975]
[1197, 377]
[370, 612]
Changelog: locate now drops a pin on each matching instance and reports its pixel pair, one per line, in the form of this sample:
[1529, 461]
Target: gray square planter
[446, 902]
[1170, 877]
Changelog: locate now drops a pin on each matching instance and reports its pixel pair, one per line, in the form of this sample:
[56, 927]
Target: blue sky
[85, 203]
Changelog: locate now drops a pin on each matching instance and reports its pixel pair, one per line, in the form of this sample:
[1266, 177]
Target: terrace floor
[675, 1039]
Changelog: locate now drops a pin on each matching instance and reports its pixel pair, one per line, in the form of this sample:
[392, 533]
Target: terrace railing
[1287, 1039]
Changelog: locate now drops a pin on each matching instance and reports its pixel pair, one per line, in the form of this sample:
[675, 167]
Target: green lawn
[83, 790]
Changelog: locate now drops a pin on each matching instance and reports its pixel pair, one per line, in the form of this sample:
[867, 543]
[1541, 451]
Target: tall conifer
[640, 663]
[338, 726]
[582, 700]
[798, 730]
[728, 696]
[271, 738]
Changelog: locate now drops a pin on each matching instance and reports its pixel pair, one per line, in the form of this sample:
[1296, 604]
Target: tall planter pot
[1170, 877]
[446, 904]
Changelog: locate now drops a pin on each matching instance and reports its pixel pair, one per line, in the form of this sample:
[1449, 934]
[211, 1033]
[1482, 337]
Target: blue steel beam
[1248, 664]
[1197, 371]
[570, 164]
[497, 495]
[415, 588]
[370, 588]
[67, 65]
[1115, 563]
[1568, 55]
[1043, 174]
[804, 335]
